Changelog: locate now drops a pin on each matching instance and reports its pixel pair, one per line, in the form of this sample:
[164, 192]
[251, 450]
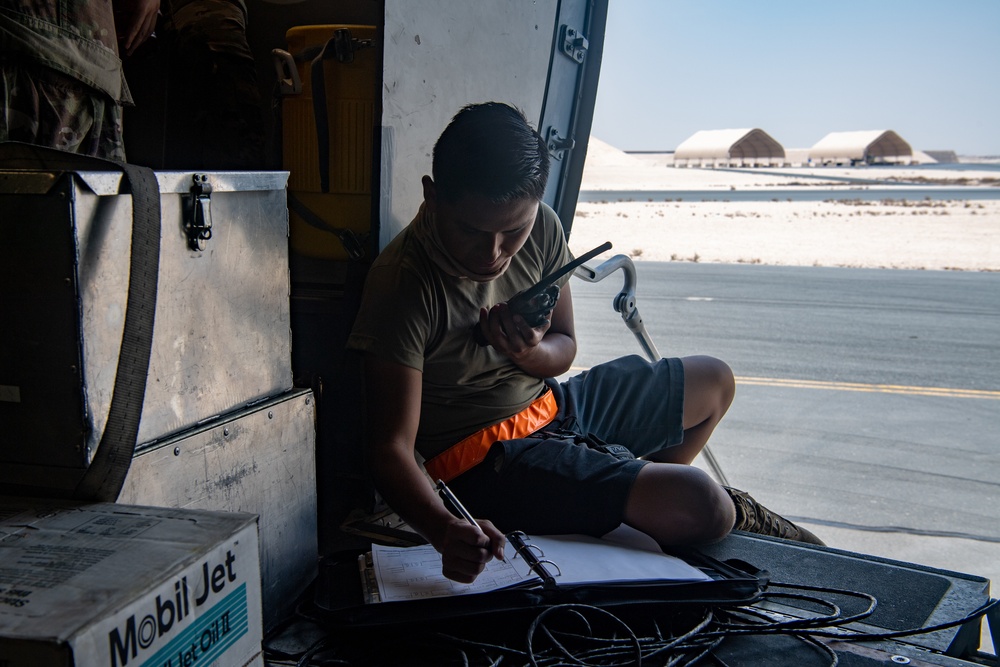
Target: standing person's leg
[214, 87]
[45, 107]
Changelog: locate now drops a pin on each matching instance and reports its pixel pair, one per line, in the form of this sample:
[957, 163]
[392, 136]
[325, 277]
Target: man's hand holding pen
[466, 550]
[468, 545]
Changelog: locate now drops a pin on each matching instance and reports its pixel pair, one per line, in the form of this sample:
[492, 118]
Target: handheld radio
[535, 304]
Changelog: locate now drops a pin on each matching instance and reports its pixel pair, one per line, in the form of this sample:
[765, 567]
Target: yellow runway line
[945, 392]
[871, 388]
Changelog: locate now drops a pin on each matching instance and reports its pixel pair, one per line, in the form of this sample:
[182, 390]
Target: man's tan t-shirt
[415, 314]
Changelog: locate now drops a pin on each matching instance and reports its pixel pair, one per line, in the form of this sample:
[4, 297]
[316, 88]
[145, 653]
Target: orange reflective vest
[471, 451]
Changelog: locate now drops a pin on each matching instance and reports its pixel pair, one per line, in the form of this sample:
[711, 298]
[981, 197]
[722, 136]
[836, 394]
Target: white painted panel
[439, 56]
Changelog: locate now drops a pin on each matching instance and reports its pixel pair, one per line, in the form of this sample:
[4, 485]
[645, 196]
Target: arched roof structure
[741, 146]
[863, 146]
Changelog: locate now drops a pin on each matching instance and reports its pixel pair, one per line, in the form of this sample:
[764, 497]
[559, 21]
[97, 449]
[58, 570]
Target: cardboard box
[109, 585]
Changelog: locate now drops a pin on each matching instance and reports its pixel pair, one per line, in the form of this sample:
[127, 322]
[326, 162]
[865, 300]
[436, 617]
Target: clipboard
[347, 594]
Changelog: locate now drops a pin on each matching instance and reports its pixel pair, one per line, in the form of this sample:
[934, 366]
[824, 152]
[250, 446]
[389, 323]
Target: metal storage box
[221, 337]
[261, 460]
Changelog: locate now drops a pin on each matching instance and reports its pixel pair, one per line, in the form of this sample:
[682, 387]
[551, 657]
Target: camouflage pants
[45, 107]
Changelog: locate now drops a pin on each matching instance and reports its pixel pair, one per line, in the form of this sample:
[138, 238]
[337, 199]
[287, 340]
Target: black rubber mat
[906, 595]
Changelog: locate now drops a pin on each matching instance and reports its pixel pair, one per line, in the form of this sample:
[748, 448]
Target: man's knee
[710, 376]
[723, 514]
[713, 510]
[680, 504]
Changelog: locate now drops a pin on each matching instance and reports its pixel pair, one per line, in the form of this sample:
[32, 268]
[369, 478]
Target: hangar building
[729, 148]
[863, 147]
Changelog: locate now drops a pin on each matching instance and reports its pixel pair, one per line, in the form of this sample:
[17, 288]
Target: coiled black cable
[580, 635]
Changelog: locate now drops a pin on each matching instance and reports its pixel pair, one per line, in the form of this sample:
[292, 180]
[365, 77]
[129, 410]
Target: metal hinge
[198, 221]
[557, 144]
[572, 43]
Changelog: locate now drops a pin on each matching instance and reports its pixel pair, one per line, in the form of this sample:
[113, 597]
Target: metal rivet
[177, 451]
[900, 659]
[225, 431]
[308, 401]
[270, 415]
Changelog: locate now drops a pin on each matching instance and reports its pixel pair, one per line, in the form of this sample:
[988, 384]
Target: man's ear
[430, 194]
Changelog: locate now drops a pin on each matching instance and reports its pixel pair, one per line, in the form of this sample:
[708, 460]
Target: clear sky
[799, 69]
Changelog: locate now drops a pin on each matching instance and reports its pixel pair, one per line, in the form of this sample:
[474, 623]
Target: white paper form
[583, 559]
[414, 573]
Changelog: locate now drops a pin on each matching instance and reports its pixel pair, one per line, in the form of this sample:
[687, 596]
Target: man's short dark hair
[489, 149]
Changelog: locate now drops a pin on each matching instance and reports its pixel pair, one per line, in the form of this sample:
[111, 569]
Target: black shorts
[554, 483]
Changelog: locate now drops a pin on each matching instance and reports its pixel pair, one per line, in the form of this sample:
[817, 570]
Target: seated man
[452, 373]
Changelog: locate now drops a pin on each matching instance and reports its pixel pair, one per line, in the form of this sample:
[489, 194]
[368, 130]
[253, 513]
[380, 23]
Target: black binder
[341, 585]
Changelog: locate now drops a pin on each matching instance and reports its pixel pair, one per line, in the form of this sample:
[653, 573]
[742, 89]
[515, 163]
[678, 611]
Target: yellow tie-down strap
[471, 451]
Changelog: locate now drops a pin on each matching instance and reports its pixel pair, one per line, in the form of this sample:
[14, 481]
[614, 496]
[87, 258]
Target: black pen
[450, 499]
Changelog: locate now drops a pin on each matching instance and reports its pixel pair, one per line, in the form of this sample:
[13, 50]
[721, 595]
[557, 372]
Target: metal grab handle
[625, 304]
[287, 72]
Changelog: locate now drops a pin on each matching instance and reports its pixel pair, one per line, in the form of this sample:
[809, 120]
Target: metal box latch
[198, 221]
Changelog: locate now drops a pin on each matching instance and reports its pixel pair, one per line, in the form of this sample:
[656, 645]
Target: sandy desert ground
[904, 231]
